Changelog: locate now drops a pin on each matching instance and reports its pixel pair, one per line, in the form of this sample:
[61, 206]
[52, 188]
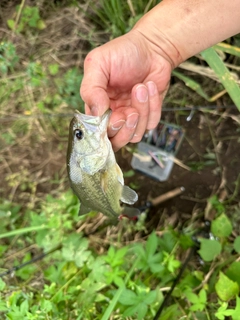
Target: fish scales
[101, 203]
[94, 175]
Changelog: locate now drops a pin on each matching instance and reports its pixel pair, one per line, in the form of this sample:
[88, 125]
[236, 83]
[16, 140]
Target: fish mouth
[91, 123]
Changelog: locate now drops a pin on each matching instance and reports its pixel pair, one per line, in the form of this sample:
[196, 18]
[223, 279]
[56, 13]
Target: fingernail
[117, 125]
[152, 89]
[132, 120]
[134, 136]
[94, 111]
[141, 93]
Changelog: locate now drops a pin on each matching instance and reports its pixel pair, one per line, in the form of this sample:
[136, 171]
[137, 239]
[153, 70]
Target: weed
[77, 275]
[26, 18]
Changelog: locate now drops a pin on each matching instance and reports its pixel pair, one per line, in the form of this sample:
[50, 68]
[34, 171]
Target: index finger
[94, 84]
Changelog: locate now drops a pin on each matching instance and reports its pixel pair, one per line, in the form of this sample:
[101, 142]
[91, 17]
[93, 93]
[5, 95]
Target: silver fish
[94, 175]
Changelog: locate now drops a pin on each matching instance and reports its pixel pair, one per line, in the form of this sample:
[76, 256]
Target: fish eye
[79, 134]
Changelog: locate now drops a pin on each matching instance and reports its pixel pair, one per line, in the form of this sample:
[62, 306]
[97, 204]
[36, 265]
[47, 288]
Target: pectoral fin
[128, 196]
[83, 210]
[119, 174]
[104, 181]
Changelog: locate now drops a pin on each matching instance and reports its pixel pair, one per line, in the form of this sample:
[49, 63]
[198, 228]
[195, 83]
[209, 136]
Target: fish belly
[92, 195]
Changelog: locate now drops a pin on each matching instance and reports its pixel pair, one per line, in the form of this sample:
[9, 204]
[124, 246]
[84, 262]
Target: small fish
[94, 175]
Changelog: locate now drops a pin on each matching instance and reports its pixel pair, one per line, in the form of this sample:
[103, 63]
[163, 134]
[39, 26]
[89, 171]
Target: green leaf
[220, 314]
[142, 311]
[151, 244]
[150, 297]
[129, 174]
[128, 297]
[236, 313]
[233, 272]
[41, 24]
[226, 289]
[209, 249]
[221, 226]
[225, 47]
[23, 230]
[236, 244]
[218, 66]
[11, 24]
[3, 306]
[53, 69]
[24, 307]
[191, 84]
[2, 284]
[203, 296]
[167, 242]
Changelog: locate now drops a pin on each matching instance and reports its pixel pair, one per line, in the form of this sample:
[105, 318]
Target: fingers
[129, 124]
[155, 105]
[122, 126]
[140, 101]
[93, 88]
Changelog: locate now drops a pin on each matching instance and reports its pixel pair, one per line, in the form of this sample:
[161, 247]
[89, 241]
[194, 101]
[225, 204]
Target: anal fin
[83, 210]
[128, 196]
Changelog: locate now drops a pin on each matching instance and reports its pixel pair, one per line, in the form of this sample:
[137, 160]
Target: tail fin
[130, 213]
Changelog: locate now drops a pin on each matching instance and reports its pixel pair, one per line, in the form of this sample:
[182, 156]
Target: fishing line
[69, 115]
[204, 232]
[168, 295]
[37, 258]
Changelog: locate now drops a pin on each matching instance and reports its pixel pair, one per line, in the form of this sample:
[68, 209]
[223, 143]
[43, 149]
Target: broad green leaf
[128, 297]
[209, 249]
[203, 296]
[191, 296]
[3, 306]
[220, 314]
[236, 313]
[172, 312]
[167, 242]
[233, 272]
[218, 66]
[226, 289]
[142, 311]
[236, 244]
[131, 311]
[152, 243]
[150, 297]
[221, 226]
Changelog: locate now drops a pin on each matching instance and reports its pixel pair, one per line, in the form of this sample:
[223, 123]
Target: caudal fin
[130, 213]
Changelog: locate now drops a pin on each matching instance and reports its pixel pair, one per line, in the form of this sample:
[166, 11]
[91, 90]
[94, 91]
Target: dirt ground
[218, 178]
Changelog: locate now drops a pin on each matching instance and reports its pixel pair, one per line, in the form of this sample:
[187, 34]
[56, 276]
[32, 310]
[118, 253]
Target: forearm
[179, 29]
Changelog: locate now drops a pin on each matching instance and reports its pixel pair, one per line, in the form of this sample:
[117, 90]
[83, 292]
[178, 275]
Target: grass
[81, 271]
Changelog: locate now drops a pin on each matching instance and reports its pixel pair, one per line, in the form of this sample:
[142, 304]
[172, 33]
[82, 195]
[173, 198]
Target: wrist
[179, 29]
[159, 26]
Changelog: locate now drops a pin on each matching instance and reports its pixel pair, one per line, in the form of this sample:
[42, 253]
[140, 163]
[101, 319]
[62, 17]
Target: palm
[130, 77]
[131, 67]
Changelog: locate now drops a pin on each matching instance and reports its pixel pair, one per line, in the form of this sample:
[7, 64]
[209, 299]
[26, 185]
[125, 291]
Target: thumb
[93, 88]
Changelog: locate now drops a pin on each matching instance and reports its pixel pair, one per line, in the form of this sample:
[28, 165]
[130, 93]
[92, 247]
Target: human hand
[130, 76]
